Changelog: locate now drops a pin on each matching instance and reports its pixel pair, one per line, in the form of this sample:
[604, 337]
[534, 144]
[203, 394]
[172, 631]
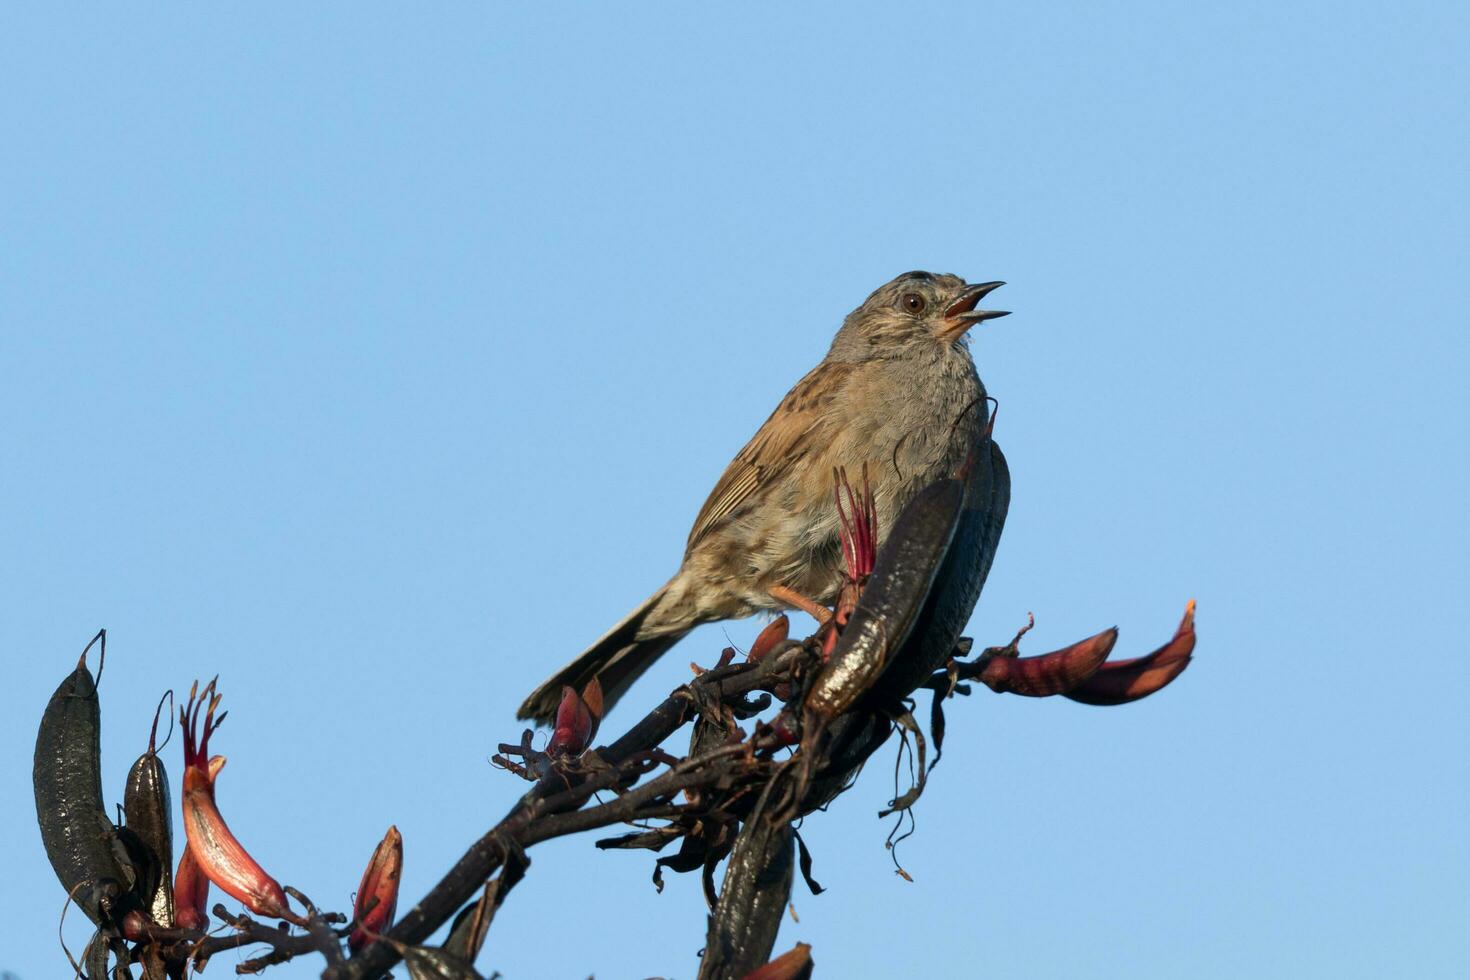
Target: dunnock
[897, 391]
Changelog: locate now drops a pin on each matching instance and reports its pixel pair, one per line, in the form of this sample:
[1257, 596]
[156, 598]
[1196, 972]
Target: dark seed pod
[155, 967]
[902, 576]
[146, 804]
[121, 961]
[463, 941]
[94, 959]
[80, 840]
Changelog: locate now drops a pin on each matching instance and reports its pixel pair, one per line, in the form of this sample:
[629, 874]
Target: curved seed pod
[902, 575]
[380, 882]
[191, 894]
[147, 806]
[952, 597]
[94, 957]
[754, 898]
[1129, 680]
[1050, 673]
[81, 842]
[220, 854]
[467, 932]
[960, 579]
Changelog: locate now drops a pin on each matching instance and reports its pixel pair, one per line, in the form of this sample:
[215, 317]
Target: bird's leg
[858, 532]
[796, 600]
[857, 514]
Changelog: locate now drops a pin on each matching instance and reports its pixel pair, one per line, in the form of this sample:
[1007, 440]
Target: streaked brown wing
[773, 450]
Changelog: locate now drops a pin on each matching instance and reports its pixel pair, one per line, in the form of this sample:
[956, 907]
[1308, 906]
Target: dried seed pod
[94, 957]
[902, 575]
[81, 842]
[432, 963]
[219, 853]
[377, 893]
[467, 932]
[146, 804]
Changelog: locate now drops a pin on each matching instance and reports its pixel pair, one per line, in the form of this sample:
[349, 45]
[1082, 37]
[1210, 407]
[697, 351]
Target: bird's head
[917, 308]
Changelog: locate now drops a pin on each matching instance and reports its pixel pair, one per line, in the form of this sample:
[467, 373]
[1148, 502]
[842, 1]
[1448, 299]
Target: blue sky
[378, 359]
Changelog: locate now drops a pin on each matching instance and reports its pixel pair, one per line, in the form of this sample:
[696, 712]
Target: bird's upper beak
[961, 314]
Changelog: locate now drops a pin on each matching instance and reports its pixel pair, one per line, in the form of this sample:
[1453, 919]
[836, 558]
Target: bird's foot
[796, 600]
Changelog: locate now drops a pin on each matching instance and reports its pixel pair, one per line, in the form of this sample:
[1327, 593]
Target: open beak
[961, 314]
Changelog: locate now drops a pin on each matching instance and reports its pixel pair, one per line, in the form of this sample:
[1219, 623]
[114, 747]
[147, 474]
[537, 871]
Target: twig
[551, 795]
[285, 945]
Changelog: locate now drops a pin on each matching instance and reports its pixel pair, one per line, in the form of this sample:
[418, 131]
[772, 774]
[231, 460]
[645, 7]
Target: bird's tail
[616, 660]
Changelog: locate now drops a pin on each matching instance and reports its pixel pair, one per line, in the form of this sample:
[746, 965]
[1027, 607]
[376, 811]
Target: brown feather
[773, 450]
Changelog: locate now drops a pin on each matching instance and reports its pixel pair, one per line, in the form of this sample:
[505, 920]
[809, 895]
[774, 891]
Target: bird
[897, 392]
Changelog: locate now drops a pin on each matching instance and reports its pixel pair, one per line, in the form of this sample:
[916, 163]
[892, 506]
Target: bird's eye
[912, 303]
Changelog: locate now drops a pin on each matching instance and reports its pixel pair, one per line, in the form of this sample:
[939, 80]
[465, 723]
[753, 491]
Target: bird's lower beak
[961, 314]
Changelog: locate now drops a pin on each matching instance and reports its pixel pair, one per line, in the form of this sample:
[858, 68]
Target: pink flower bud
[191, 894]
[577, 718]
[794, 964]
[221, 857]
[775, 634]
[380, 883]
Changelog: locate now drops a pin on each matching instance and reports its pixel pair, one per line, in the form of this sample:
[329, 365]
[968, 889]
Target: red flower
[1128, 680]
[221, 857]
[191, 894]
